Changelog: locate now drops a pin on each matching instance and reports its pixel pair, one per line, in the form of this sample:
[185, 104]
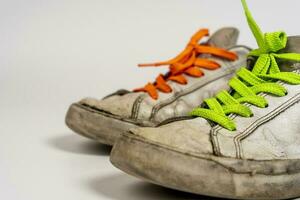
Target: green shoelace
[247, 85]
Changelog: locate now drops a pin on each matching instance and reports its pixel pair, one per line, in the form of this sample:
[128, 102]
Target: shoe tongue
[224, 38]
[292, 46]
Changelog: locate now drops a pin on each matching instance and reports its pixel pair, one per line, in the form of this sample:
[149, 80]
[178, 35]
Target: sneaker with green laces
[243, 144]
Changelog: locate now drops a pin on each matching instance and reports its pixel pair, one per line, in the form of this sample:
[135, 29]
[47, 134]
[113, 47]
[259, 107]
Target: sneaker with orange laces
[198, 72]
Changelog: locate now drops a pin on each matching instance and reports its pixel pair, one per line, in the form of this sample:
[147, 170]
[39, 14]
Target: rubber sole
[94, 124]
[210, 175]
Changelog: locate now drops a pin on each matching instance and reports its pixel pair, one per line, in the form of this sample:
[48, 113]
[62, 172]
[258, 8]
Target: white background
[54, 52]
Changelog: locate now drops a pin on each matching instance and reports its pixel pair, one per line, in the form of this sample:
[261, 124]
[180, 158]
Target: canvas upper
[141, 109]
[271, 132]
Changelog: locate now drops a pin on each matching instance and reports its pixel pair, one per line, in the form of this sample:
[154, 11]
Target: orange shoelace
[187, 62]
